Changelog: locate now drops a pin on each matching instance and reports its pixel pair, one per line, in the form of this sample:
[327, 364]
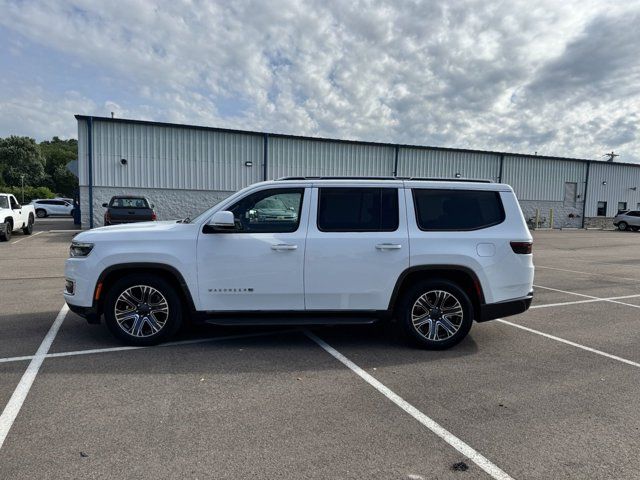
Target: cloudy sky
[559, 78]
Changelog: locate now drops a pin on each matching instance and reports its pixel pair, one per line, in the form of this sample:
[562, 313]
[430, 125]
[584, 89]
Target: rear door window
[358, 209]
[457, 210]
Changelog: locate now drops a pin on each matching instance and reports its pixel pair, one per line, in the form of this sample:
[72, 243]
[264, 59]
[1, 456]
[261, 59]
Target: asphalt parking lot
[552, 393]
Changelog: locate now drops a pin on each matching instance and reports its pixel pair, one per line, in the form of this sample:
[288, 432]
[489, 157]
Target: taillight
[107, 217]
[522, 248]
[153, 216]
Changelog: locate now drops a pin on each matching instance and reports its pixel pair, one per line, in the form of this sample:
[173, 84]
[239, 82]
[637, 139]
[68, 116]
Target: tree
[57, 154]
[21, 156]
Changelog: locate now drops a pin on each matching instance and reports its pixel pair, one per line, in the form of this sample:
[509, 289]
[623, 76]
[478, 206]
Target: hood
[129, 230]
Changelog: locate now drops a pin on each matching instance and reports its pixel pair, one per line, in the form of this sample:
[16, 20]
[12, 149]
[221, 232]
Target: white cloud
[557, 78]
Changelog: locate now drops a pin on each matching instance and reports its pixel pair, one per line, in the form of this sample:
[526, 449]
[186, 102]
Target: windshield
[4, 203]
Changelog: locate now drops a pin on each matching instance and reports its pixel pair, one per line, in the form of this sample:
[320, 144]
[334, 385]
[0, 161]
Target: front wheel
[635, 229]
[142, 310]
[41, 213]
[622, 226]
[435, 314]
[5, 232]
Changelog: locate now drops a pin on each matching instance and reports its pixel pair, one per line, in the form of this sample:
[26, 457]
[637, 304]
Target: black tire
[635, 229]
[28, 230]
[5, 233]
[418, 335]
[172, 320]
[41, 213]
[622, 226]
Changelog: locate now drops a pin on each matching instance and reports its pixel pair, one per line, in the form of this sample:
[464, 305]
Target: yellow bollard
[551, 218]
[537, 218]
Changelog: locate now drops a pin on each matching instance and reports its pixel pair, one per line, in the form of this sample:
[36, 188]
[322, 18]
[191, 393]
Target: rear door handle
[284, 246]
[388, 246]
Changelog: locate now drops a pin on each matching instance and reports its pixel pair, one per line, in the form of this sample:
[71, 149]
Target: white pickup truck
[14, 216]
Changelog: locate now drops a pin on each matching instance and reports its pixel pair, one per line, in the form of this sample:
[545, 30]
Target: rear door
[633, 218]
[357, 246]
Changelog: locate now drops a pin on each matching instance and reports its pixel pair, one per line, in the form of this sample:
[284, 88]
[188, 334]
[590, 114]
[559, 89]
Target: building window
[622, 207]
[602, 209]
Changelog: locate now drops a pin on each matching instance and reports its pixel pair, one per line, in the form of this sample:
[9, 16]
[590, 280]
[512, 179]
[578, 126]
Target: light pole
[22, 180]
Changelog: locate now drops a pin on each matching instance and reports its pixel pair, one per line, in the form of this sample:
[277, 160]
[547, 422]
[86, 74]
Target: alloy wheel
[437, 315]
[141, 311]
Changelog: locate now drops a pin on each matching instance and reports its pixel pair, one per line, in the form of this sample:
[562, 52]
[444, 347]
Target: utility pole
[22, 180]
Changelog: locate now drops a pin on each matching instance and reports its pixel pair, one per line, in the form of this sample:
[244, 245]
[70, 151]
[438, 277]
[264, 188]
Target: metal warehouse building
[185, 169]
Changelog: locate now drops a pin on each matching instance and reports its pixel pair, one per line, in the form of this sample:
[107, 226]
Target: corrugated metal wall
[83, 154]
[185, 158]
[174, 158]
[621, 182]
[416, 162]
[542, 179]
[297, 157]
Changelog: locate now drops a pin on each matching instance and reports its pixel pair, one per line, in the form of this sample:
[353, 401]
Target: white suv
[434, 255]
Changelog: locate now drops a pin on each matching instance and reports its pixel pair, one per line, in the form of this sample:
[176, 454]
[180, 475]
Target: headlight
[80, 249]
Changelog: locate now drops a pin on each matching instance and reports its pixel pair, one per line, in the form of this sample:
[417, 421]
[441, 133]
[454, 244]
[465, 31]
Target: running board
[288, 318]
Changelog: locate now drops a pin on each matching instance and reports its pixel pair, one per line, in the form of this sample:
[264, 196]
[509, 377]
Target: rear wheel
[142, 310]
[28, 230]
[41, 213]
[5, 233]
[435, 314]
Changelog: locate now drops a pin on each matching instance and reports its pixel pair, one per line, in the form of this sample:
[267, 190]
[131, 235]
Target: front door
[357, 247]
[259, 264]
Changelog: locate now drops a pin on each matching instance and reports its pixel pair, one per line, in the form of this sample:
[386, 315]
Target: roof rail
[430, 179]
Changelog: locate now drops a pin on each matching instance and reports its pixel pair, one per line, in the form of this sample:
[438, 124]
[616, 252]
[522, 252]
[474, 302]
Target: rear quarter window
[457, 210]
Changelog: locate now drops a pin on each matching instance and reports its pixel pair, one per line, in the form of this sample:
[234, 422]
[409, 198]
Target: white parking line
[432, 425]
[591, 300]
[74, 353]
[26, 238]
[14, 405]
[588, 296]
[569, 342]
[589, 273]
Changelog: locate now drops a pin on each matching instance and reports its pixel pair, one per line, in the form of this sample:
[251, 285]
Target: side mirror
[152, 206]
[105, 205]
[223, 220]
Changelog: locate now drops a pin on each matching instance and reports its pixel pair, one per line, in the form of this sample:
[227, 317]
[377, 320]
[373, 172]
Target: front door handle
[388, 246]
[284, 246]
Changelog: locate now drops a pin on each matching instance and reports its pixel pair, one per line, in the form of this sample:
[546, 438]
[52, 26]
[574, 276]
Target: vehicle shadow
[231, 350]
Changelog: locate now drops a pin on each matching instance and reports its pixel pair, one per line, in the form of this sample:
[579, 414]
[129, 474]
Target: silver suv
[629, 220]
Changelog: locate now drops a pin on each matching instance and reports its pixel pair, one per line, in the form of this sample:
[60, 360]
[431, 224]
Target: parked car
[14, 216]
[126, 209]
[629, 220]
[45, 207]
[434, 255]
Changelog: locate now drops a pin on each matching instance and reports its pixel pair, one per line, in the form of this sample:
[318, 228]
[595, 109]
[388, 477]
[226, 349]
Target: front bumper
[90, 314]
[491, 311]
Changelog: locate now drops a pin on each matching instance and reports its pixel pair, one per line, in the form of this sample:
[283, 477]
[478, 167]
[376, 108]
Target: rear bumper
[90, 314]
[491, 311]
